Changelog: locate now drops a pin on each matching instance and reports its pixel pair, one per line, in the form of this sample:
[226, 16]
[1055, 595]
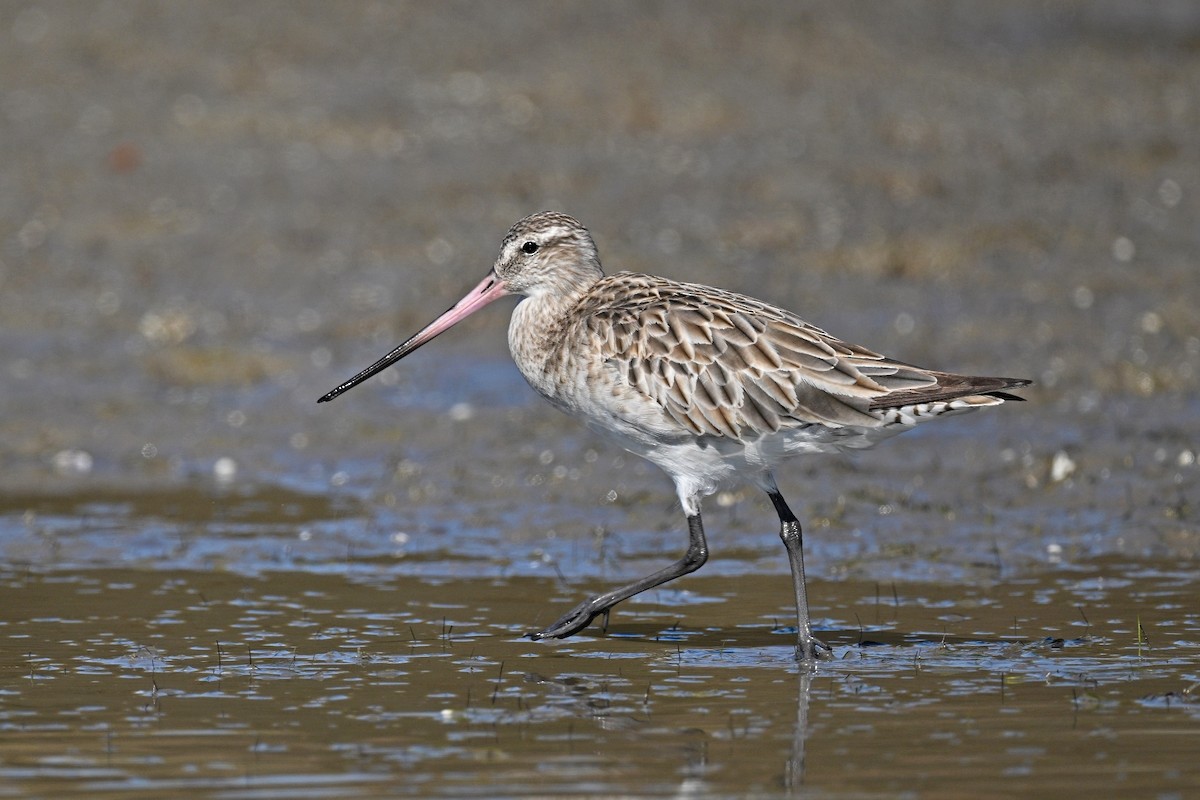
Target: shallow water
[211, 214]
[265, 672]
[133, 682]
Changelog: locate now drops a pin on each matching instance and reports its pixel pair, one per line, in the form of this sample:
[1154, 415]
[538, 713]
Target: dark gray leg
[807, 645]
[581, 615]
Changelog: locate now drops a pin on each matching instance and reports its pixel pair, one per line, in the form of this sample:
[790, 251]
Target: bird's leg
[808, 646]
[579, 617]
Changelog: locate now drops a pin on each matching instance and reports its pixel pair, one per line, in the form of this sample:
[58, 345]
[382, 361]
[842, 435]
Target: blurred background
[205, 205]
[212, 213]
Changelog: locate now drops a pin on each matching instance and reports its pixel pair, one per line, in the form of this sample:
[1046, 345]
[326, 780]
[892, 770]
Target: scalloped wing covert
[724, 364]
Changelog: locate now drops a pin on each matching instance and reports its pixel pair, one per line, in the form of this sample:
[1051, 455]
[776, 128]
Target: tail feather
[949, 386]
[1005, 396]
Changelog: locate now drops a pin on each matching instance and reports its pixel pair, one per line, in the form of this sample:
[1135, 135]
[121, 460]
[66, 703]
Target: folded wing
[723, 364]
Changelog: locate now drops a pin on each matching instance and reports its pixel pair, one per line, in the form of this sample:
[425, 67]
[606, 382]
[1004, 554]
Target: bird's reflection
[793, 771]
[590, 697]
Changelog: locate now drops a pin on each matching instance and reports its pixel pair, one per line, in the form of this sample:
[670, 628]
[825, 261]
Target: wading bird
[709, 385]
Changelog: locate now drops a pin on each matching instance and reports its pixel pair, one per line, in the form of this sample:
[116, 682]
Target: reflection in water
[336, 680]
[793, 774]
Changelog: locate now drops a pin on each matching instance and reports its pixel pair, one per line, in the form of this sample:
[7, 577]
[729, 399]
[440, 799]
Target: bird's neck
[544, 311]
[540, 328]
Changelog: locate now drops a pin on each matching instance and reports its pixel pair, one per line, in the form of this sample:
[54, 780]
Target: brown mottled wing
[724, 364]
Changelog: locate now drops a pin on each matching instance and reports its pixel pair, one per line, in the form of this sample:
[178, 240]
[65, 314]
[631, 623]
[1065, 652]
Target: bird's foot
[572, 622]
[812, 649]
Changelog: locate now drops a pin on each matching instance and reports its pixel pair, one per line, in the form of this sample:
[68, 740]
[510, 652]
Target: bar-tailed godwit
[710, 385]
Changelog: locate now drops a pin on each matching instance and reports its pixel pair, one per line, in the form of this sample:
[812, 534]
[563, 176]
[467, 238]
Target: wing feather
[723, 364]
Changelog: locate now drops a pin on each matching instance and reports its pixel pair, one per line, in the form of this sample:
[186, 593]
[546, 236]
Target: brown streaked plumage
[710, 385]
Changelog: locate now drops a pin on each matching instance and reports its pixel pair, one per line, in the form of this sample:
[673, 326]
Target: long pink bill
[491, 288]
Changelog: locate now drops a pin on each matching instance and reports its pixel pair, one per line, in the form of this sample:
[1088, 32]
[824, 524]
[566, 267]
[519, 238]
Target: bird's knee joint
[791, 534]
[696, 556]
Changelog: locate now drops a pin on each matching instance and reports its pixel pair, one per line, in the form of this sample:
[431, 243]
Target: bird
[711, 386]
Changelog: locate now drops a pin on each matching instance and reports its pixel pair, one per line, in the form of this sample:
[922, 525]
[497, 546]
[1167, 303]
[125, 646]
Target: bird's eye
[529, 247]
